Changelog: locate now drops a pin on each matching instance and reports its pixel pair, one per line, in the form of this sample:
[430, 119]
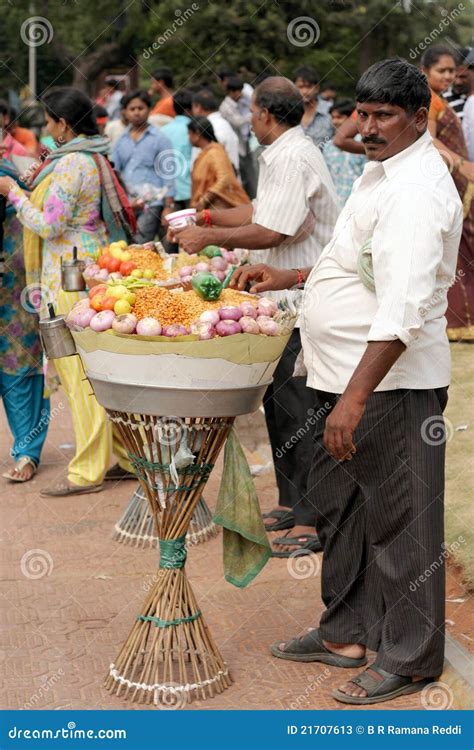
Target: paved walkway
[60, 631]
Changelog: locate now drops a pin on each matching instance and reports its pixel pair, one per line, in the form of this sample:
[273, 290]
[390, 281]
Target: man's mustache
[374, 139]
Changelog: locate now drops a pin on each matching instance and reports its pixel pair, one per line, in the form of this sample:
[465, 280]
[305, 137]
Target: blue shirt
[345, 168]
[148, 160]
[178, 134]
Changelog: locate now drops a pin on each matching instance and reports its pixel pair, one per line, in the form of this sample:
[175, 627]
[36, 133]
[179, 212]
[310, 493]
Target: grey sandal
[310, 647]
[378, 691]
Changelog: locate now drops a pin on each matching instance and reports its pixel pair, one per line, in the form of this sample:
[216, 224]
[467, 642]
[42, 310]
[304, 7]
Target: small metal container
[55, 336]
[72, 279]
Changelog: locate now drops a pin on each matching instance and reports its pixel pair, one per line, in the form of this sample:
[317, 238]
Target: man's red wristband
[206, 215]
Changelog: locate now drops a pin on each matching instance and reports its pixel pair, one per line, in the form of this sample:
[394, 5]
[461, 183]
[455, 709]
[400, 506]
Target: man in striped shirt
[292, 217]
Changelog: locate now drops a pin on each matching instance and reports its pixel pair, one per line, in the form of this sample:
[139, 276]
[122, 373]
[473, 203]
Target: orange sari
[460, 312]
[214, 182]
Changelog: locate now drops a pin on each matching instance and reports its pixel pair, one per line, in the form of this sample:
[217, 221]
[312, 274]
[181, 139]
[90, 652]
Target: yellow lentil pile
[148, 259]
[181, 307]
[184, 259]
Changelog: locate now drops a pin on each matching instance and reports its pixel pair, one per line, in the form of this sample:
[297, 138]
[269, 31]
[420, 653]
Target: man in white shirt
[293, 218]
[377, 354]
[205, 105]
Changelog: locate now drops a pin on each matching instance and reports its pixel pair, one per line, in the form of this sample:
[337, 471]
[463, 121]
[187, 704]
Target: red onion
[102, 321]
[266, 306]
[249, 325]
[80, 317]
[230, 313]
[231, 257]
[203, 330]
[248, 309]
[186, 279]
[186, 271]
[228, 327]
[218, 264]
[148, 327]
[175, 329]
[91, 270]
[220, 275]
[125, 323]
[268, 326]
[201, 266]
[210, 316]
[103, 274]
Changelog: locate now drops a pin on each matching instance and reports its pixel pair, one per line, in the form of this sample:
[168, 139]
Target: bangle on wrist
[300, 278]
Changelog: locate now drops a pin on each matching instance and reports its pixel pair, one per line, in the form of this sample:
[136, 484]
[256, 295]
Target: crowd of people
[375, 193]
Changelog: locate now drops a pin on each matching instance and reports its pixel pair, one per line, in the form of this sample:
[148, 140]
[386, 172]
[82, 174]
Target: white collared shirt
[409, 206]
[296, 197]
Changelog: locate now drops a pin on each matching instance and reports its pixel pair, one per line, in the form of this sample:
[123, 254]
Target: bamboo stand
[170, 657]
[136, 525]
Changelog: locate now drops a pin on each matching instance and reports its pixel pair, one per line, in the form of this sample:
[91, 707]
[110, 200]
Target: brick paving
[60, 632]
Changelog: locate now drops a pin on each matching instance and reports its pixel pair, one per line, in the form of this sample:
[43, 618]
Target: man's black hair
[234, 84]
[343, 106]
[225, 73]
[206, 99]
[282, 99]
[394, 81]
[164, 74]
[142, 95]
[182, 101]
[308, 74]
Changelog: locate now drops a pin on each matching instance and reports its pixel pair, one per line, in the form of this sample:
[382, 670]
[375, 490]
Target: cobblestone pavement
[69, 596]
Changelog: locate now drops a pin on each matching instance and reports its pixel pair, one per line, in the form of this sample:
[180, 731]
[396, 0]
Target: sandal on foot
[305, 544]
[116, 473]
[64, 488]
[21, 464]
[311, 648]
[391, 686]
[276, 513]
[285, 521]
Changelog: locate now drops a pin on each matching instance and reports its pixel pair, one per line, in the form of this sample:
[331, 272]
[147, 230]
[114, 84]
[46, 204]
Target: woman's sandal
[304, 544]
[284, 520]
[15, 471]
[391, 686]
[310, 647]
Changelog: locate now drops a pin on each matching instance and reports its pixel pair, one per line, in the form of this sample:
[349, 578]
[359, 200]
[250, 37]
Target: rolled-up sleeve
[289, 188]
[407, 250]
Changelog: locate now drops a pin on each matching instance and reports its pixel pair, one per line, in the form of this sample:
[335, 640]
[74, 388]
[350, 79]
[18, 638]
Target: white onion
[103, 274]
[186, 279]
[249, 325]
[91, 270]
[186, 271]
[80, 317]
[201, 266]
[230, 313]
[248, 309]
[268, 326]
[115, 275]
[148, 327]
[203, 330]
[210, 316]
[125, 323]
[228, 327]
[102, 321]
[175, 329]
[266, 306]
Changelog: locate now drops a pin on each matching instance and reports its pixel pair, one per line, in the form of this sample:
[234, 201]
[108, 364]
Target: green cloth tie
[173, 553]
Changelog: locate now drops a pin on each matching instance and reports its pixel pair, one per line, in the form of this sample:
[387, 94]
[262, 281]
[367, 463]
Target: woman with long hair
[439, 66]
[214, 184]
[77, 201]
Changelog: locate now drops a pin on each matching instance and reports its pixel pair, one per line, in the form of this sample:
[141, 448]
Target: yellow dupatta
[32, 242]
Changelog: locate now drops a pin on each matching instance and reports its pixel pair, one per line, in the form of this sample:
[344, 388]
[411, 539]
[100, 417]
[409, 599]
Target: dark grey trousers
[289, 414]
[380, 521]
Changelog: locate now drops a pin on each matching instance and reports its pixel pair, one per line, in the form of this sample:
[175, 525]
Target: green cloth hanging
[246, 546]
[365, 267]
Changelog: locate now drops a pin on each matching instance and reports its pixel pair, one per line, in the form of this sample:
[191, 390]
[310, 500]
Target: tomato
[96, 302]
[99, 289]
[102, 262]
[127, 267]
[108, 303]
[112, 264]
[106, 250]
